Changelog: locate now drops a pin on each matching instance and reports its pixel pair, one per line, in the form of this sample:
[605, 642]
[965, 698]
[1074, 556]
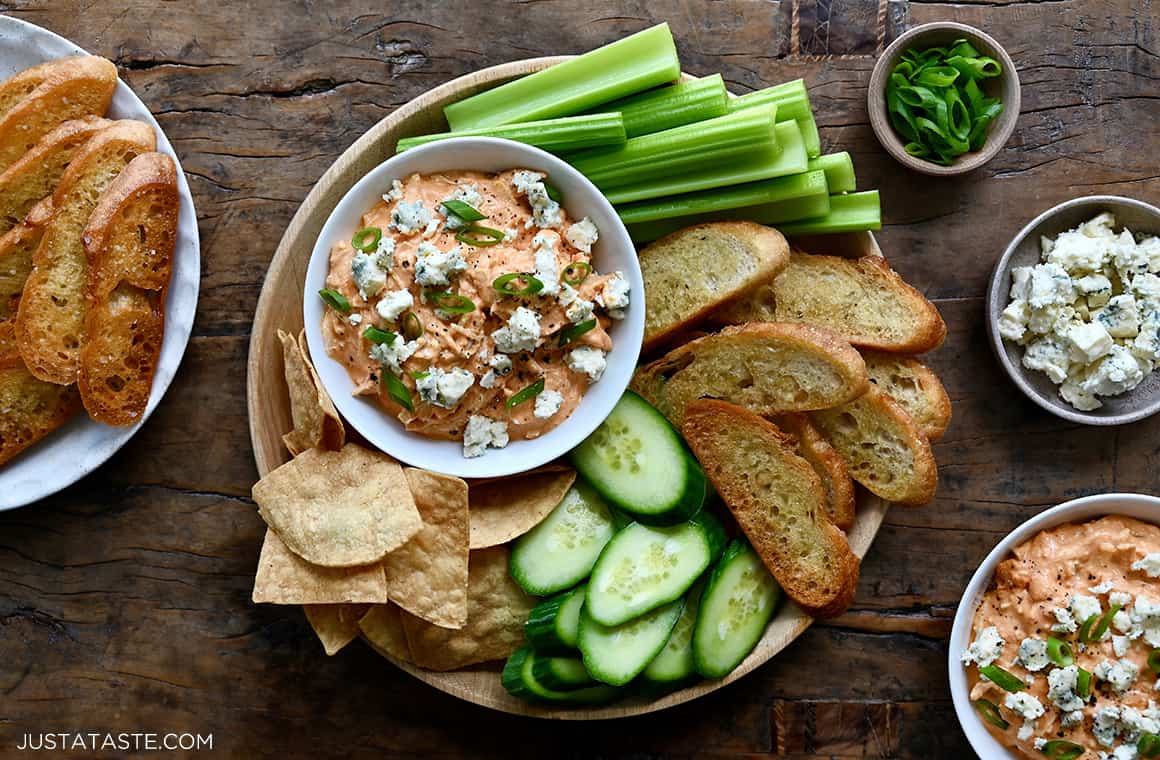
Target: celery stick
[839, 169]
[774, 212]
[809, 129]
[689, 148]
[790, 159]
[668, 107]
[848, 213]
[631, 65]
[560, 135]
[791, 98]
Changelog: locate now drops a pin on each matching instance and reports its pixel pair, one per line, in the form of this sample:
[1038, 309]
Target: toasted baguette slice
[778, 501]
[50, 324]
[884, 449]
[129, 242]
[31, 408]
[692, 272]
[863, 300]
[915, 387]
[21, 84]
[827, 463]
[38, 171]
[17, 247]
[765, 367]
[72, 88]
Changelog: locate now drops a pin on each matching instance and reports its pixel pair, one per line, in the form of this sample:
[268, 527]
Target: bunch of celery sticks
[670, 155]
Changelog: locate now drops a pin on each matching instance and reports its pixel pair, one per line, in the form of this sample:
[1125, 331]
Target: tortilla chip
[505, 509]
[427, 576]
[285, 578]
[496, 611]
[316, 421]
[336, 625]
[339, 508]
[382, 628]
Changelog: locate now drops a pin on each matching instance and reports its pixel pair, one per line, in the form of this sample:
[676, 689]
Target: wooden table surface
[125, 600]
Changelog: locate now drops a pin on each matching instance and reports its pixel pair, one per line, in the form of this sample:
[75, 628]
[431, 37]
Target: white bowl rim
[1080, 509]
[382, 430]
[997, 293]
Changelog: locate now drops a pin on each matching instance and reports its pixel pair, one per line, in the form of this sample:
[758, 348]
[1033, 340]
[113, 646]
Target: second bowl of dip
[612, 252]
[1145, 509]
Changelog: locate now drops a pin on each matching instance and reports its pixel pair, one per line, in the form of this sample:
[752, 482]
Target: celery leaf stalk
[569, 133]
[839, 169]
[848, 213]
[672, 106]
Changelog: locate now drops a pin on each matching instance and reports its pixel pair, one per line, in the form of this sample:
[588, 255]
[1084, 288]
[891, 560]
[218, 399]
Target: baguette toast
[71, 88]
[915, 387]
[694, 271]
[129, 242]
[31, 408]
[863, 300]
[827, 463]
[17, 247]
[778, 501]
[767, 368]
[51, 322]
[883, 447]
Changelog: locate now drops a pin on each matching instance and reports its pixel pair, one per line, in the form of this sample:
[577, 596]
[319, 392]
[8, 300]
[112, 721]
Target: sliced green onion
[452, 303]
[672, 106]
[1003, 679]
[1105, 622]
[625, 67]
[375, 335]
[848, 213]
[576, 272]
[570, 133]
[1085, 629]
[398, 391]
[420, 375]
[1154, 661]
[367, 239]
[335, 300]
[572, 332]
[1083, 683]
[527, 394]
[839, 169]
[1061, 749]
[1148, 745]
[412, 326]
[503, 284]
[480, 237]
[990, 712]
[1059, 652]
[464, 211]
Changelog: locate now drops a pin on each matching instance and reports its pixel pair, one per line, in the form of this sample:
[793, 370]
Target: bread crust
[827, 463]
[33, 408]
[927, 403]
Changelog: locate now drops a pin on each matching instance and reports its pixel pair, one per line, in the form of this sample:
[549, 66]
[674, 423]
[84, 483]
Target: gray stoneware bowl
[1144, 400]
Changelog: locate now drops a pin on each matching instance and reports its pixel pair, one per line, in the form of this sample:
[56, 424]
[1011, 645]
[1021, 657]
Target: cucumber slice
[639, 463]
[644, 567]
[674, 665]
[560, 551]
[617, 654]
[553, 623]
[519, 679]
[738, 603]
[561, 673]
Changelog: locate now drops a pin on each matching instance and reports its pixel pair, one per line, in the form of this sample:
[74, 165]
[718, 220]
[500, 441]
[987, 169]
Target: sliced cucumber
[738, 603]
[674, 665]
[617, 654]
[519, 679]
[561, 673]
[560, 551]
[644, 567]
[639, 463]
[553, 623]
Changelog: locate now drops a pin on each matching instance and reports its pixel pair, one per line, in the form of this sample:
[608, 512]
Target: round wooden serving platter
[280, 307]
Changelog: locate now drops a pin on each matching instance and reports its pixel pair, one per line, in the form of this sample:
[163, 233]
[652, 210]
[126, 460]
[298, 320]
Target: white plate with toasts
[81, 445]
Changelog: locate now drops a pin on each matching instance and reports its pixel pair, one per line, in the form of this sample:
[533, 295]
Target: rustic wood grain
[124, 602]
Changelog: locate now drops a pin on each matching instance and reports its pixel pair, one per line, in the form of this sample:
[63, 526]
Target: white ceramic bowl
[613, 251]
[1141, 507]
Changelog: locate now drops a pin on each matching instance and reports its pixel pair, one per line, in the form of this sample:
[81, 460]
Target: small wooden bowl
[1005, 87]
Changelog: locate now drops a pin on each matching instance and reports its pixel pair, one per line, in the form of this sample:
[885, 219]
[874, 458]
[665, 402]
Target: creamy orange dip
[478, 347]
[1049, 587]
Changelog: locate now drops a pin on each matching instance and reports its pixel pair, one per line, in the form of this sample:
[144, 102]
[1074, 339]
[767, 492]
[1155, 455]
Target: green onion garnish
[527, 394]
[464, 211]
[335, 300]
[1061, 749]
[1085, 629]
[1003, 679]
[398, 391]
[576, 272]
[412, 326]
[504, 287]
[1083, 683]
[420, 375]
[480, 237]
[1154, 661]
[1060, 652]
[367, 239]
[375, 335]
[1105, 622]
[452, 303]
[553, 192]
[572, 332]
[1148, 745]
[990, 712]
